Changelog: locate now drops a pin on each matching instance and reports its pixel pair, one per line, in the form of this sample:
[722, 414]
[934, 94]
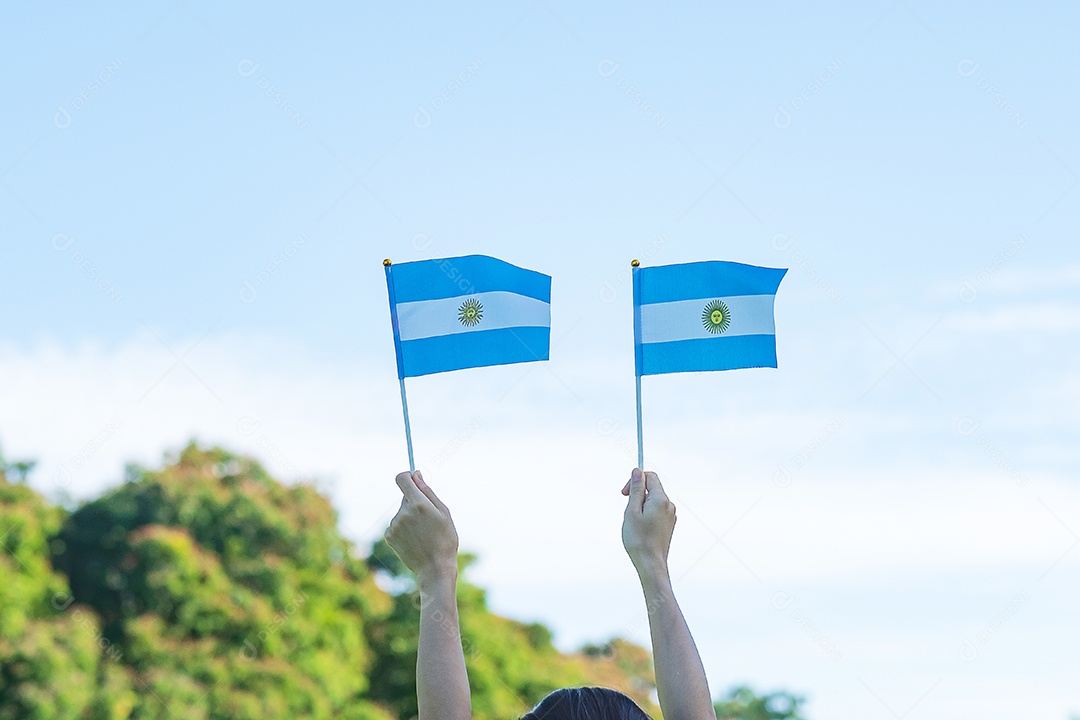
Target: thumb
[428, 492]
[636, 490]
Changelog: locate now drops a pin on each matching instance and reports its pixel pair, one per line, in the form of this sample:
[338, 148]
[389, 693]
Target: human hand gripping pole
[423, 535]
[648, 526]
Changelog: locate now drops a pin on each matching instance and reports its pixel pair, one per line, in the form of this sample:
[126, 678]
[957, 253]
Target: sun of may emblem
[716, 317]
[471, 312]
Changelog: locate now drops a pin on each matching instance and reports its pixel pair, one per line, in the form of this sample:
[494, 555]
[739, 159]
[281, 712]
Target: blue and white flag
[463, 312]
[704, 316]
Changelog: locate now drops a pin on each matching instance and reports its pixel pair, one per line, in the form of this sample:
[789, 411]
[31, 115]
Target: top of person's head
[586, 703]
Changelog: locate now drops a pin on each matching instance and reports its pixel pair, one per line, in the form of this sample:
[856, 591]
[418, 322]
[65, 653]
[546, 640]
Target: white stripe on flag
[681, 320]
[432, 318]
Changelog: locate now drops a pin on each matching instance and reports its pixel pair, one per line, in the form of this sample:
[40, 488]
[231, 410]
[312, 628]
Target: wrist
[651, 566]
[437, 577]
[653, 575]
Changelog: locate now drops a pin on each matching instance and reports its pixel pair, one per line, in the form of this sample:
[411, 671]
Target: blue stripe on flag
[705, 280]
[468, 275]
[474, 349]
[721, 353]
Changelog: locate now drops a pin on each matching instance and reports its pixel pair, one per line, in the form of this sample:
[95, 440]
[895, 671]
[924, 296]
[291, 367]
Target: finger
[626, 488]
[394, 521]
[636, 491]
[656, 490]
[429, 493]
[408, 488]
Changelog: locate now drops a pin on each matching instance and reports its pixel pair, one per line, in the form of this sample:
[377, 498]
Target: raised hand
[423, 533]
[648, 522]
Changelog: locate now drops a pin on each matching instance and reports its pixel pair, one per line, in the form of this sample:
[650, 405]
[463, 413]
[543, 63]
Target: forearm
[442, 685]
[680, 676]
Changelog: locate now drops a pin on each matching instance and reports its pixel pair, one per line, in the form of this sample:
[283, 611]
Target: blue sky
[197, 200]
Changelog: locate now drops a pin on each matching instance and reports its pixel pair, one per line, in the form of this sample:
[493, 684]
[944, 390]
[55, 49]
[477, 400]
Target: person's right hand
[648, 522]
[422, 533]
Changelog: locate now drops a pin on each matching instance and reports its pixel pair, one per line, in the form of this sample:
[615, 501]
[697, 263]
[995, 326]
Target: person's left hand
[648, 522]
[423, 533]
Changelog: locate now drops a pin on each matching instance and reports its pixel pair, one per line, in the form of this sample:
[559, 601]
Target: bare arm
[648, 525]
[424, 537]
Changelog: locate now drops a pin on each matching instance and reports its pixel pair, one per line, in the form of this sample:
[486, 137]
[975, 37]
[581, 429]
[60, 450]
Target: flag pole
[408, 432]
[636, 282]
[640, 451]
[400, 365]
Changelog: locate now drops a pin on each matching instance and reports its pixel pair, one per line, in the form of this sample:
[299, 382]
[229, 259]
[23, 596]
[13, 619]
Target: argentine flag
[463, 312]
[704, 316]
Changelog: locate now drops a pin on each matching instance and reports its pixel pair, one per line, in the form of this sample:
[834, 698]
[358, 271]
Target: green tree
[206, 590]
[16, 471]
[229, 594]
[54, 663]
[742, 703]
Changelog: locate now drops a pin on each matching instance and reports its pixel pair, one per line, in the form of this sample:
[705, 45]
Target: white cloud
[546, 472]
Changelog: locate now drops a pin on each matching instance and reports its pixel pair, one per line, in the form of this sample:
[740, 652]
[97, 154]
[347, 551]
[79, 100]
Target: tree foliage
[53, 663]
[742, 703]
[228, 594]
[206, 590]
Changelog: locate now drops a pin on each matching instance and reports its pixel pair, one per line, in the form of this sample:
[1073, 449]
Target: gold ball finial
[386, 262]
[634, 263]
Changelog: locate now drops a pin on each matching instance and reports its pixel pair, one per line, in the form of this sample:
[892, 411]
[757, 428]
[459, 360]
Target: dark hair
[586, 703]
